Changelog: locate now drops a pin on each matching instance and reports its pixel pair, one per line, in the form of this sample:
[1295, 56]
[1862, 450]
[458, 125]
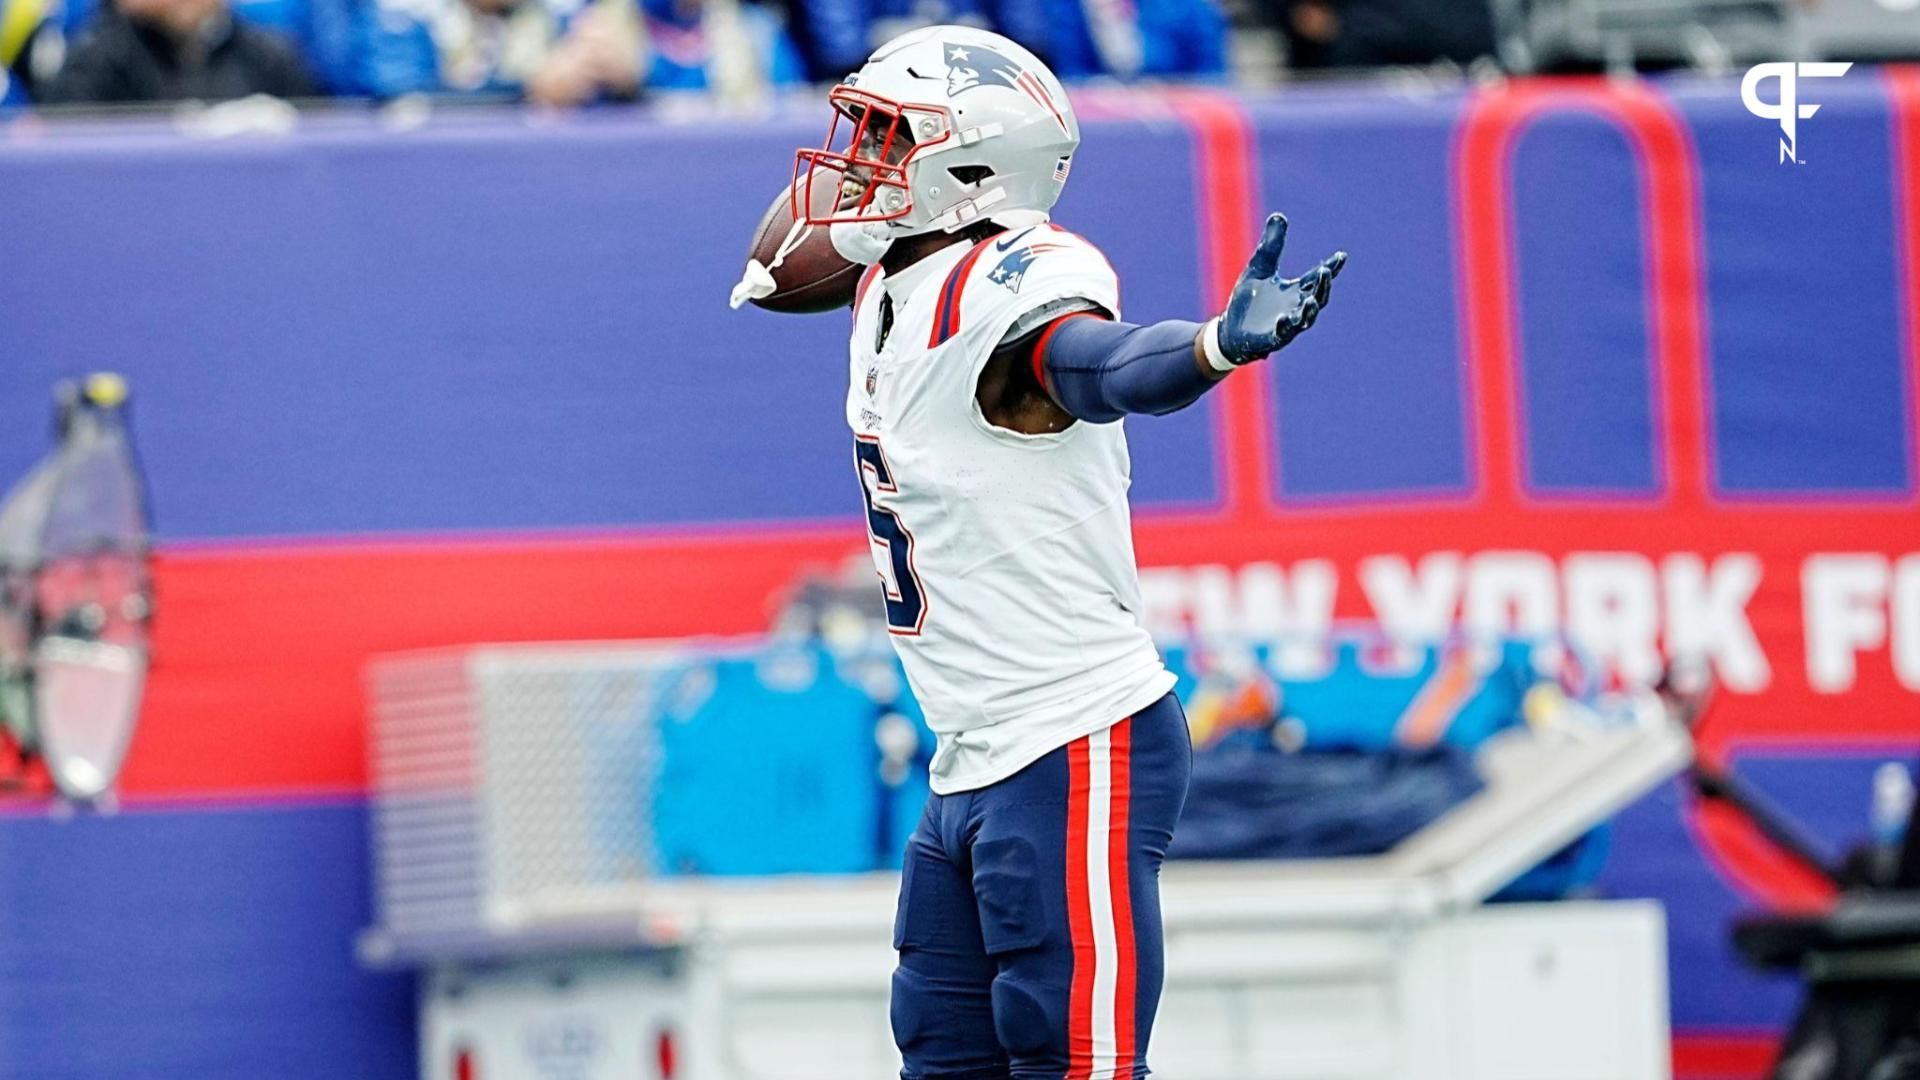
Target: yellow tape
[18, 20]
[106, 389]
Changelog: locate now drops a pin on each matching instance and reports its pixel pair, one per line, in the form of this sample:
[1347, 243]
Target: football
[805, 274]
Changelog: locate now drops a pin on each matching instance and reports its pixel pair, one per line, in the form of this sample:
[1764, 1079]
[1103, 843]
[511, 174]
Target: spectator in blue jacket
[554, 52]
[571, 52]
[1130, 38]
[724, 47]
[1082, 39]
[323, 29]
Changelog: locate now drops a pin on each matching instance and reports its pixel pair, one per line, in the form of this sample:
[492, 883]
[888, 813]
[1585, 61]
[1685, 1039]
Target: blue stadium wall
[478, 381]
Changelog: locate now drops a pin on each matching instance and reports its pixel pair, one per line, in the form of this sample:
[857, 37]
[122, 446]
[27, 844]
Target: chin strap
[757, 281]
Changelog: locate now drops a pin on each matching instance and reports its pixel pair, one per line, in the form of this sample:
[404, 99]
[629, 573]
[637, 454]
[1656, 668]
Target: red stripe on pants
[1120, 882]
[1079, 916]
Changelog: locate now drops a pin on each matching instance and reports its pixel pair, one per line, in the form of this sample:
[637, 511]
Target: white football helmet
[987, 129]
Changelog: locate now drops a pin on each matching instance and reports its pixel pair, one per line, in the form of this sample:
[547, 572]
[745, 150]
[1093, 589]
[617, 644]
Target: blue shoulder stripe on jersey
[943, 316]
[946, 320]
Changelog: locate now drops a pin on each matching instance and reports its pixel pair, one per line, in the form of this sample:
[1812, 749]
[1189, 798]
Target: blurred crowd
[574, 52]
[554, 52]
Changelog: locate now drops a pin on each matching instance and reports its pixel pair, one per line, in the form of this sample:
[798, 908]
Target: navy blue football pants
[1029, 920]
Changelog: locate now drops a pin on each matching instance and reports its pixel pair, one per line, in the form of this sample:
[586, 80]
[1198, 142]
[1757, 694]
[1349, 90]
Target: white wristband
[1210, 341]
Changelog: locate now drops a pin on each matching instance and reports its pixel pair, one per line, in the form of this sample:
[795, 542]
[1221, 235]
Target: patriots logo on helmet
[969, 66]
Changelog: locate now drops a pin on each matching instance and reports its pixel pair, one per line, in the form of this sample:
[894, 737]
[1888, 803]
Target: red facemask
[879, 127]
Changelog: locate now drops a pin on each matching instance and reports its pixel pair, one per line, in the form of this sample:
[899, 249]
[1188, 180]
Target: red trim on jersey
[1079, 915]
[1120, 880]
[946, 320]
[1039, 357]
[1095, 248]
[860, 290]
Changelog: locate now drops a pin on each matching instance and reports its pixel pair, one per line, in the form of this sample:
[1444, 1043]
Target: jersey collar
[903, 284]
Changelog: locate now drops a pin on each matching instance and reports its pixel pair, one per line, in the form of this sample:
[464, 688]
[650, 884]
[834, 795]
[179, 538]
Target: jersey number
[892, 543]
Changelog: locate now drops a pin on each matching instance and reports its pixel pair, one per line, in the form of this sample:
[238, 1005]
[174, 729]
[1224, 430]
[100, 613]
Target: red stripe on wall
[1723, 1056]
[1743, 857]
[258, 653]
[1903, 83]
[1229, 224]
[1486, 283]
[1669, 199]
[1676, 296]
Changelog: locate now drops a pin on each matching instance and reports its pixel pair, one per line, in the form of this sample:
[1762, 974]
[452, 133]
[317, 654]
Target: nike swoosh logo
[1002, 245]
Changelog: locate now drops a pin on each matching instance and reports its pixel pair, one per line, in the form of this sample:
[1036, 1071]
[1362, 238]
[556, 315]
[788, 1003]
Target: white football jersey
[1007, 559]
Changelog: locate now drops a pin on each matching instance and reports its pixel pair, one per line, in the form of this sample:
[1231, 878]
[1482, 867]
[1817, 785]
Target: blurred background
[565, 53]
[422, 307]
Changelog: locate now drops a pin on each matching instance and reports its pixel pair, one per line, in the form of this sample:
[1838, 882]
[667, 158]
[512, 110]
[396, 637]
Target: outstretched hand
[1266, 311]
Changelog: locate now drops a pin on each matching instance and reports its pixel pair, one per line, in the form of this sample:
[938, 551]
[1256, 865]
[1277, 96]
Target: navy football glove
[1266, 310]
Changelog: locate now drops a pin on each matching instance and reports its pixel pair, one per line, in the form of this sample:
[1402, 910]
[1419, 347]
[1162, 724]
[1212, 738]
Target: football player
[989, 365]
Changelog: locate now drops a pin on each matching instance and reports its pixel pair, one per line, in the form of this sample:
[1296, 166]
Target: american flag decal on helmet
[1060, 170]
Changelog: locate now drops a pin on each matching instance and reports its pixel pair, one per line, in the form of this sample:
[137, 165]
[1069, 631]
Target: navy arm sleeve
[1100, 371]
